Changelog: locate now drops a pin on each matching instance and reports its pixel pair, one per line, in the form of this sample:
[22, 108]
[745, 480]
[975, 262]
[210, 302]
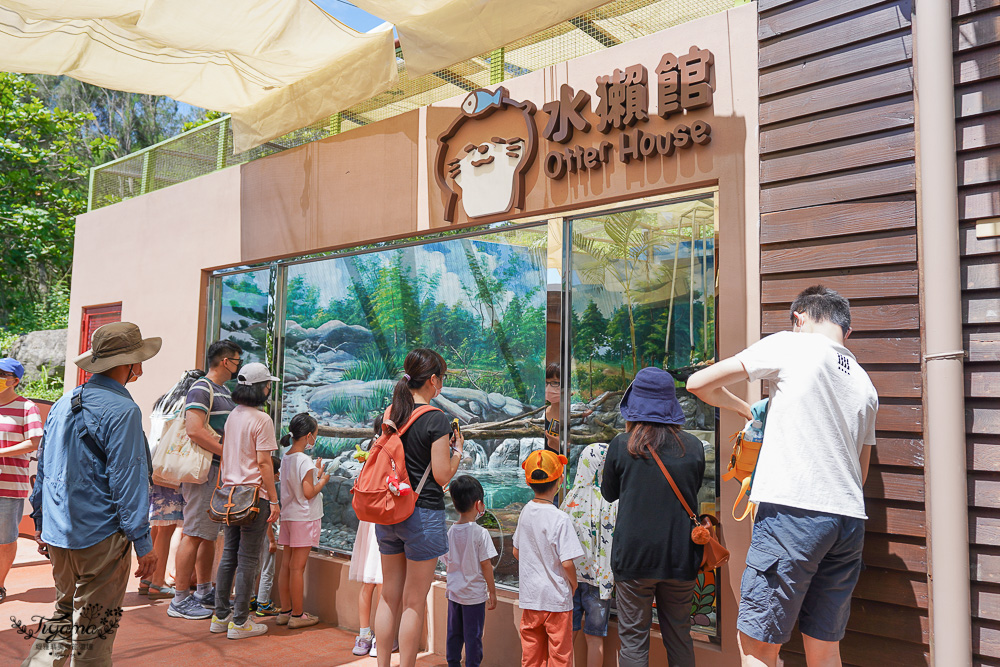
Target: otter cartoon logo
[484, 154]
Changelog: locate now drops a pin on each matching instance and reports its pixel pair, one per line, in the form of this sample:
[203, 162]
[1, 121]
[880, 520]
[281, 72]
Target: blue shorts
[11, 511]
[802, 565]
[590, 612]
[421, 537]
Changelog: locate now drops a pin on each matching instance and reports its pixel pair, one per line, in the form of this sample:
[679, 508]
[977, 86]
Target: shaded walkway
[149, 637]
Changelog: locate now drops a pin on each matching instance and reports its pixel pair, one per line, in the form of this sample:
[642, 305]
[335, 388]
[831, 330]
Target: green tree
[43, 186]
[591, 334]
[134, 121]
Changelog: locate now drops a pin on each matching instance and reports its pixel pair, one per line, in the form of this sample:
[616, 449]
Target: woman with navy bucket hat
[652, 556]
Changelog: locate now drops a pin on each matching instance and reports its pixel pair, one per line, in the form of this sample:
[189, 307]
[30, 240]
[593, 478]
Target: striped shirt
[19, 421]
[201, 396]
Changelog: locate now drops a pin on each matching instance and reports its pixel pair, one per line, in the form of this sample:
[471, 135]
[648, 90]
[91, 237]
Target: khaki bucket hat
[117, 344]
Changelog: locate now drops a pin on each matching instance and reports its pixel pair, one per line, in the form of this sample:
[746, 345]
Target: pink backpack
[382, 491]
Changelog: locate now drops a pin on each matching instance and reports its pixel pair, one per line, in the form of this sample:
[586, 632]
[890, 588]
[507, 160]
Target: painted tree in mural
[591, 336]
[621, 259]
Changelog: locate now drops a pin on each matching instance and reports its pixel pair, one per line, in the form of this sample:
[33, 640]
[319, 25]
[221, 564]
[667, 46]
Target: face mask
[480, 514]
[131, 375]
[309, 445]
[552, 394]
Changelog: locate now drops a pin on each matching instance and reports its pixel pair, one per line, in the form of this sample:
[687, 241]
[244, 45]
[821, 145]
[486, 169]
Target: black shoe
[3, 593]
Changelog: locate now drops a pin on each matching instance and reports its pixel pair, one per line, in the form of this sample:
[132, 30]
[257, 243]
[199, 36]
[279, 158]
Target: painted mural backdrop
[350, 321]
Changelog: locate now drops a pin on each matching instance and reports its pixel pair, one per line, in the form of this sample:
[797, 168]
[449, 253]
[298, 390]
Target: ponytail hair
[301, 425]
[418, 367]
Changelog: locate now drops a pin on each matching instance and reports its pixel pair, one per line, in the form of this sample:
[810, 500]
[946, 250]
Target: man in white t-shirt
[805, 554]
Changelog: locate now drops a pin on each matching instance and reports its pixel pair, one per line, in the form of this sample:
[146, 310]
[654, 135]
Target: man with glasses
[20, 433]
[207, 407]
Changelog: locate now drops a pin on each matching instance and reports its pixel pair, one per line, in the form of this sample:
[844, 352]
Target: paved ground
[147, 636]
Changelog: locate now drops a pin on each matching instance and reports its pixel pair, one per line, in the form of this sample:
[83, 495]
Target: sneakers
[363, 644]
[269, 609]
[189, 608]
[283, 617]
[248, 629]
[374, 652]
[253, 603]
[207, 600]
[303, 621]
[221, 625]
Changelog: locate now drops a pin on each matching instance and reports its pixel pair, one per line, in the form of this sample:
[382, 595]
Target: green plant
[373, 367]
[46, 387]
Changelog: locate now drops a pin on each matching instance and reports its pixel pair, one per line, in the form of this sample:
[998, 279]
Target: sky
[347, 13]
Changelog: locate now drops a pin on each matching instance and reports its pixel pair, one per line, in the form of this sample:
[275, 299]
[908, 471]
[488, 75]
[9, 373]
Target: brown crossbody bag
[234, 505]
[704, 530]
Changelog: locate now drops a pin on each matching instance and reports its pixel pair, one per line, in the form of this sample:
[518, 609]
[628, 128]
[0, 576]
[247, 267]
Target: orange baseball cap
[548, 462]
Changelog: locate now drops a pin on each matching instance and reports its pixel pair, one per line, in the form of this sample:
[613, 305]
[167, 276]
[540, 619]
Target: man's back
[84, 500]
[822, 412]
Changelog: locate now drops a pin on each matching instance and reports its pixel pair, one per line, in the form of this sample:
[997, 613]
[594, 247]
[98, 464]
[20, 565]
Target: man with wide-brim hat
[91, 499]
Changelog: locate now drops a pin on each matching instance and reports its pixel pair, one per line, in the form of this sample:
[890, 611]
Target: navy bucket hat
[651, 398]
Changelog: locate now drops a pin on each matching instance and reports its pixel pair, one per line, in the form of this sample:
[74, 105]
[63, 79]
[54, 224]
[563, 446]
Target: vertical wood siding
[838, 207]
[976, 42]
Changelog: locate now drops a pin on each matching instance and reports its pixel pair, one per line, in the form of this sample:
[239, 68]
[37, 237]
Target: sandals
[144, 586]
[3, 593]
[160, 592]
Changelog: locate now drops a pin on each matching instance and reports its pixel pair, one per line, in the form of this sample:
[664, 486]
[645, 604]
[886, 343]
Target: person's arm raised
[444, 463]
[709, 384]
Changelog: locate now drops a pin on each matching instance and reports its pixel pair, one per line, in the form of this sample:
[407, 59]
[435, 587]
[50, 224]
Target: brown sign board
[500, 157]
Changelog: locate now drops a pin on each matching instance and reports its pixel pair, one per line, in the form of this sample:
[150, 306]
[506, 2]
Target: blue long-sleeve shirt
[78, 501]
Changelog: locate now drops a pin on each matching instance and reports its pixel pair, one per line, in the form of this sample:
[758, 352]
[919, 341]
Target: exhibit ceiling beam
[275, 65]
[436, 34]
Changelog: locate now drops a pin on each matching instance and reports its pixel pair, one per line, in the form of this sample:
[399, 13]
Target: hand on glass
[147, 563]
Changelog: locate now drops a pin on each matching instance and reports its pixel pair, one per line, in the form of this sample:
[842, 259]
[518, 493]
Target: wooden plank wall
[976, 42]
[838, 207]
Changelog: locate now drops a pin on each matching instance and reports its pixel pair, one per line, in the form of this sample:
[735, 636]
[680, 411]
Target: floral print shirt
[593, 518]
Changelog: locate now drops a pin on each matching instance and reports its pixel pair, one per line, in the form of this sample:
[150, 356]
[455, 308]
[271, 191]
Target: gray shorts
[11, 511]
[196, 501]
[802, 565]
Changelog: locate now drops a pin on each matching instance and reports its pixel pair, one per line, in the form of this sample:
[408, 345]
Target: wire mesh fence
[209, 147]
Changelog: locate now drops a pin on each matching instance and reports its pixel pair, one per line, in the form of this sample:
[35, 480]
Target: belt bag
[234, 505]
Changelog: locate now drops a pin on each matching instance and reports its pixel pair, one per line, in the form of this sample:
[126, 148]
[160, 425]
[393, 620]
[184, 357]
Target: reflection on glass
[643, 294]
[350, 321]
[243, 318]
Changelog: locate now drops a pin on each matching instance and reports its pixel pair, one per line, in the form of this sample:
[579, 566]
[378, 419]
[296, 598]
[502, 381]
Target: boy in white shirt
[805, 555]
[471, 590]
[545, 544]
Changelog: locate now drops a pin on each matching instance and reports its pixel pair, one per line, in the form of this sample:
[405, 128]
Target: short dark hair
[220, 350]
[542, 487]
[552, 371]
[465, 492]
[822, 304]
[251, 395]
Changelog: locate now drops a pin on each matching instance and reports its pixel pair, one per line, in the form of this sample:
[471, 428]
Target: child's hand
[319, 465]
[272, 547]
[491, 602]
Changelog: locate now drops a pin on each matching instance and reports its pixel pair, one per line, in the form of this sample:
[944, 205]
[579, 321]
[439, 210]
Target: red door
[95, 317]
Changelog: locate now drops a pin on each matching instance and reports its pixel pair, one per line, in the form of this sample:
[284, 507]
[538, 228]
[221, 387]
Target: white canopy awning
[435, 34]
[275, 65]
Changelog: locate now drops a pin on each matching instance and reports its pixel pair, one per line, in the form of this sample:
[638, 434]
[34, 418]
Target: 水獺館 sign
[639, 114]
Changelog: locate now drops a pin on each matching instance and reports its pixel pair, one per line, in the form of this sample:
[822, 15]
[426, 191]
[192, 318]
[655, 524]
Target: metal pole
[944, 387]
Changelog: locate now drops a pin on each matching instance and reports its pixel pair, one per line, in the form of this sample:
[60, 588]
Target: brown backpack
[382, 491]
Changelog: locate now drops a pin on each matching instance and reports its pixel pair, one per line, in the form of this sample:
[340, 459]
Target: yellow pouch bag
[743, 463]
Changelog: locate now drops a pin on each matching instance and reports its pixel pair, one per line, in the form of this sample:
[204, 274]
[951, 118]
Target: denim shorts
[802, 565]
[590, 612]
[421, 537]
[11, 511]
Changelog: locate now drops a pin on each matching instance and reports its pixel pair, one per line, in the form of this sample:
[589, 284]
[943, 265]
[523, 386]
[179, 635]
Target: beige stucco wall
[151, 253]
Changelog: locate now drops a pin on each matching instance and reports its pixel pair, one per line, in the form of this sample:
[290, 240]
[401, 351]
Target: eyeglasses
[237, 360]
[552, 383]
[9, 376]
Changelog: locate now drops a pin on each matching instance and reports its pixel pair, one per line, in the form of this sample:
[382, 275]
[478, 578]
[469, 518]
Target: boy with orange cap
[545, 544]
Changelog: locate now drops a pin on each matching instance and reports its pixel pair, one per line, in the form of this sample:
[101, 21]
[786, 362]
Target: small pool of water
[502, 487]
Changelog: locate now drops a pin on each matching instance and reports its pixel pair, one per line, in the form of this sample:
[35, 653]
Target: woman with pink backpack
[410, 548]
